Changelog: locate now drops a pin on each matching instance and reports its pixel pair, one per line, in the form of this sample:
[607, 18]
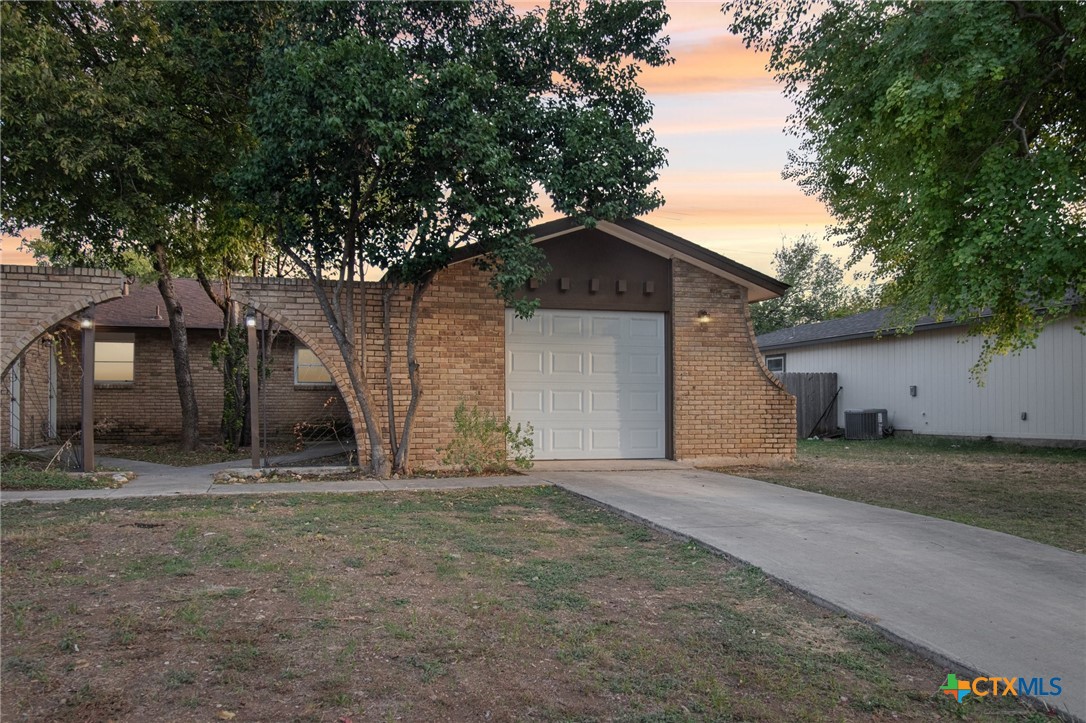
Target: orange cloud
[750, 208]
[719, 65]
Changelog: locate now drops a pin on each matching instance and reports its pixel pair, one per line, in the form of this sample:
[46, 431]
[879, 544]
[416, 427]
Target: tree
[389, 135]
[115, 136]
[946, 138]
[818, 290]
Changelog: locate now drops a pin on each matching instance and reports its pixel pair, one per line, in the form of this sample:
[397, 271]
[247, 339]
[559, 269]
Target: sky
[722, 117]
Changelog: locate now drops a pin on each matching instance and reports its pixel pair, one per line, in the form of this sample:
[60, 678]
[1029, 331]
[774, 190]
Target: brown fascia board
[715, 262]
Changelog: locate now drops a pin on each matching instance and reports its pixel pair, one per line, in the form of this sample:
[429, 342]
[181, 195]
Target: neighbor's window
[115, 359]
[308, 368]
[775, 363]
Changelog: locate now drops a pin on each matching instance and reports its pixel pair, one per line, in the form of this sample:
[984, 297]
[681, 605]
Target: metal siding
[1048, 383]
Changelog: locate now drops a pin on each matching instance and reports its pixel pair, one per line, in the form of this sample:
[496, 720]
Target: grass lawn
[20, 471]
[1034, 492]
[496, 604]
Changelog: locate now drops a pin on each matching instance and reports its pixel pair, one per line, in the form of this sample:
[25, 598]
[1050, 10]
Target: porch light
[250, 321]
[703, 316]
[86, 323]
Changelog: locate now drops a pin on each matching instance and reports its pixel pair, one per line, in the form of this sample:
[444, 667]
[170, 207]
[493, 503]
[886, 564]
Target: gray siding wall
[1047, 383]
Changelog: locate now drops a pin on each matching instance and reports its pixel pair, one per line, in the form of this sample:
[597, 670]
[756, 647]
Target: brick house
[641, 348]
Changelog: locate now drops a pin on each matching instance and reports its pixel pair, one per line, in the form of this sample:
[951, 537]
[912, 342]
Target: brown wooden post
[87, 431]
[254, 392]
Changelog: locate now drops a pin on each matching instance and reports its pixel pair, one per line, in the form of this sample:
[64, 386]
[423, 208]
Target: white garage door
[591, 383]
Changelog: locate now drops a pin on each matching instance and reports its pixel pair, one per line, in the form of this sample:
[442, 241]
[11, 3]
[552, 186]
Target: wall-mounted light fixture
[703, 316]
[86, 323]
[250, 321]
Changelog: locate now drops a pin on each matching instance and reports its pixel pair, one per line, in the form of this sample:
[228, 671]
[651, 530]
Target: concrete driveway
[977, 601]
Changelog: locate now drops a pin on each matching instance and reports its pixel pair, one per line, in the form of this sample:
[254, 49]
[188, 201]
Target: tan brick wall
[148, 410]
[728, 407]
[34, 299]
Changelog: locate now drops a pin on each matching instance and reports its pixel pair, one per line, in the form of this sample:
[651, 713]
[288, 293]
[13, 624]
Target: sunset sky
[721, 117]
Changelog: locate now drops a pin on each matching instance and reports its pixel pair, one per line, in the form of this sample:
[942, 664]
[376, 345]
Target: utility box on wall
[866, 423]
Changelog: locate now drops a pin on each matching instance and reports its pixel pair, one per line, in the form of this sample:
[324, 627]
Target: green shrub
[483, 442]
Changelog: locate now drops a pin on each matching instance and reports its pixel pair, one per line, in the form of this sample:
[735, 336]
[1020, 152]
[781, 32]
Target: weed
[177, 678]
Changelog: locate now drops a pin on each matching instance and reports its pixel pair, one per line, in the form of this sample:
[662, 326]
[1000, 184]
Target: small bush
[483, 442]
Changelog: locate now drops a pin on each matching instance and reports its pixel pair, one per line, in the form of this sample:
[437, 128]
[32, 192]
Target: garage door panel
[567, 401]
[523, 327]
[590, 383]
[604, 401]
[606, 327]
[646, 439]
[646, 401]
[606, 440]
[645, 364]
[567, 362]
[603, 363]
[566, 325]
[526, 362]
[525, 400]
[567, 440]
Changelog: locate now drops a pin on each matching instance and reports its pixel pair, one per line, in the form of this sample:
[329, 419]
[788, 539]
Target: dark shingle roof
[858, 326]
[143, 307]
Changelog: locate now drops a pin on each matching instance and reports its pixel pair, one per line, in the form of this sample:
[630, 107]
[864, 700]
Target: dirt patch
[496, 604]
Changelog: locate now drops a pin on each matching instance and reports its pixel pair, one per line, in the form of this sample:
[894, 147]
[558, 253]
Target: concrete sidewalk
[975, 600]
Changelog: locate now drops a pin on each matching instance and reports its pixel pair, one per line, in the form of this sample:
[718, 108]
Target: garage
[591, 383]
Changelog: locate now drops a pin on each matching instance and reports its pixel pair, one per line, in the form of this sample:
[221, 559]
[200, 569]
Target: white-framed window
[114, 358]
[308, 370]
[775, 363]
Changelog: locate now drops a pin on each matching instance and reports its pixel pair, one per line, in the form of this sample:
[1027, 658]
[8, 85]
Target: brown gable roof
[143, 307]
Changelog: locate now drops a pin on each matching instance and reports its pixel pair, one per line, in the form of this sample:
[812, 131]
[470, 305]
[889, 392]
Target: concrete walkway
[977, 601]
[161, 480]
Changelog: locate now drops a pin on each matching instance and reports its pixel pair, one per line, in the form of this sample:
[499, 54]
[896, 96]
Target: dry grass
[1033, 492]
[497, 604]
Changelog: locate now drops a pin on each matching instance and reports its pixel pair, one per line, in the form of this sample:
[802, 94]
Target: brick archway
[291, 304]
[34, 299]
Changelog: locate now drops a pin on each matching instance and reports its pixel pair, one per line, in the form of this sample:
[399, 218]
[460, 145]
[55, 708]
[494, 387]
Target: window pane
[114, 351]
[114, 361]
[305, 357]
[308, 368]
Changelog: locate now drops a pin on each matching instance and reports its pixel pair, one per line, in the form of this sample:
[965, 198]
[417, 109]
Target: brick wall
[34, 299]
[728, 406]
[148, 410]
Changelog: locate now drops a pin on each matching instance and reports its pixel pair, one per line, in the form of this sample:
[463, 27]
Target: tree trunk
[351, 355]
[403, 448]
[186, 391]
[387, 294]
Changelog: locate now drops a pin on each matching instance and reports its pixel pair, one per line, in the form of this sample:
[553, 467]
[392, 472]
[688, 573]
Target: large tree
[947, 140]
[119, 120]
[390, 135]
[817, 289]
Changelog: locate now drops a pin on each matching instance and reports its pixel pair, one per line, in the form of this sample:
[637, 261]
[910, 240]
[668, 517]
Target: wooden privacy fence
[815, 398]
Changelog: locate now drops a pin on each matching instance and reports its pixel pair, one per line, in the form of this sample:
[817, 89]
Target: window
[115, 359]
[775, 363]
[308, 369]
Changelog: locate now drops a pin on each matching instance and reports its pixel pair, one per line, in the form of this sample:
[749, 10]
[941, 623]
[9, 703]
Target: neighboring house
[641, 348]
[923, 379]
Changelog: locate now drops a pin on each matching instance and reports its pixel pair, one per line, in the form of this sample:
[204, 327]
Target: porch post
[254, 392]
[87, 430]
